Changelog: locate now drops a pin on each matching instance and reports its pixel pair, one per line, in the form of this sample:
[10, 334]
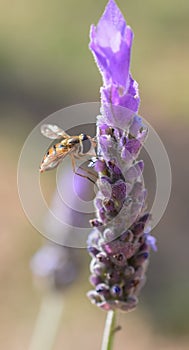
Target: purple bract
[111, 42]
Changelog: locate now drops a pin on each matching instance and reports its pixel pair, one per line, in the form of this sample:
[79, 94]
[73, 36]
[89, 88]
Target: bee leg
[81, 146]
[90, 173]
[74, 170]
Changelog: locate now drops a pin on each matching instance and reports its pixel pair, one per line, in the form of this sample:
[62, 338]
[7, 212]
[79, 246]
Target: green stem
[107, 341]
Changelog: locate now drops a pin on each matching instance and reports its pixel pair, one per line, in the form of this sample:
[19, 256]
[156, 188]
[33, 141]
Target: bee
[74, 146]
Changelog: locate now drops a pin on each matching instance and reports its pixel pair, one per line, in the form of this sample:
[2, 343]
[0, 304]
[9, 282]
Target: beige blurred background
[45, 65]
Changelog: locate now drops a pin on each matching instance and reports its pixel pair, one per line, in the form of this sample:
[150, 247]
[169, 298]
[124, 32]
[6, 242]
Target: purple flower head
[120, 241]
[111, 42]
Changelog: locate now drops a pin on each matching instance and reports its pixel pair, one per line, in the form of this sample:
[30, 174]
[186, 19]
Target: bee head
[83, 137]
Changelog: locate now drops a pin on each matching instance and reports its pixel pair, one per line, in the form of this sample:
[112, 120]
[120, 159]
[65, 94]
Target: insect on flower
[74, 146]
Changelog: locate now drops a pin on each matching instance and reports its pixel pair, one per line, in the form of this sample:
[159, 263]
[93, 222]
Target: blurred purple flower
[55, 265]
[120, 241]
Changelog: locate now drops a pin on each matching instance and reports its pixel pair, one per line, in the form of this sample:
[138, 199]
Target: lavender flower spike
[120, 241]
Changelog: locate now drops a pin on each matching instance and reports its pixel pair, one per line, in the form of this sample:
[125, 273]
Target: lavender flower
[120, 241]
[58, 266]
[55, 266]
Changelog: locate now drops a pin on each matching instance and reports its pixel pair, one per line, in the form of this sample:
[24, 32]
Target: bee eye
[84, 137]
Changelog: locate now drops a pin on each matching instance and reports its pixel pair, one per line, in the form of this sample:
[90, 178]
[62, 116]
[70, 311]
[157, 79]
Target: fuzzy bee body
[69, 145]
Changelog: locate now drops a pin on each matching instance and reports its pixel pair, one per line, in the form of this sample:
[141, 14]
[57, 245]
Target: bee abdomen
[51, 151]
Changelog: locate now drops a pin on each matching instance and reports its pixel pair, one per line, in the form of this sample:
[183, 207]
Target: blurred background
[45, 65]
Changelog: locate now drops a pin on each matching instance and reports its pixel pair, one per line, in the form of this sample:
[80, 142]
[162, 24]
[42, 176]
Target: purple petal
[119, 96]
[113, 14]
[119, 190]
[115, 114]
[111, 42]
[136, 125]
[151, 240]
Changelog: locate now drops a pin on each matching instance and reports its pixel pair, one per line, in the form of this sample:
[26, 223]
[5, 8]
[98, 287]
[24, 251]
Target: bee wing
[53, 132]
[51, 165]
[53, 161]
